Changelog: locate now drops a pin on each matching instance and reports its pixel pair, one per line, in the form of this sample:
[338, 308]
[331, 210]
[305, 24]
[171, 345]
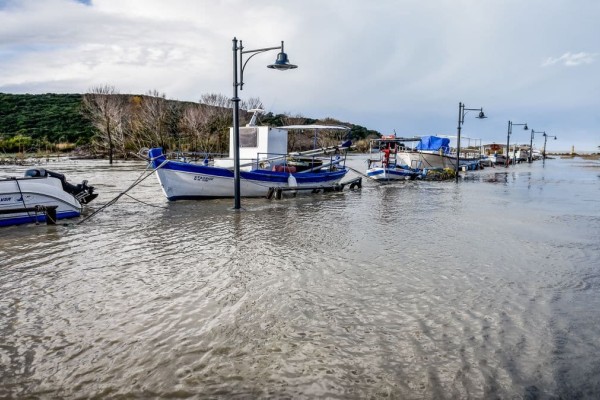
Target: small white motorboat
[388, 167]
[27, 199]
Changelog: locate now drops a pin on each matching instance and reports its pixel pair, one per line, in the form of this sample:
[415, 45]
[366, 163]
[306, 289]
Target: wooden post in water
[51, 215]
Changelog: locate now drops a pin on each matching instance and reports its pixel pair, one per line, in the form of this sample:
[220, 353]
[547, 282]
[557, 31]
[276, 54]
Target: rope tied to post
[134, 184]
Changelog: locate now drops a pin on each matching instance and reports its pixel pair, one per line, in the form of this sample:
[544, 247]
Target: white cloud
[571, 59]
[389, 64]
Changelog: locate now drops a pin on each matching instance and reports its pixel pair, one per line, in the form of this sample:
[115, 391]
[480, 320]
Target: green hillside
[119, 124]
[51, 117]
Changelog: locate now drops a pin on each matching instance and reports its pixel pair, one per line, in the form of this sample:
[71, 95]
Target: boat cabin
[256, 143]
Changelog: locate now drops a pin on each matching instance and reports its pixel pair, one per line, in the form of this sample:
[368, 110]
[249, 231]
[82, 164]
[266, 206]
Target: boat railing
[385, 160]
[465, 153]
[300, 162]
[416, 164]
[194, 156]
[267, 160]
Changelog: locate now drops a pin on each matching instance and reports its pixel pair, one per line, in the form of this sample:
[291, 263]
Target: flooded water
[489, 288]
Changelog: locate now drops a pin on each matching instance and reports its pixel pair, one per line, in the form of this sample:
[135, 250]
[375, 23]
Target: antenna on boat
[257, 112]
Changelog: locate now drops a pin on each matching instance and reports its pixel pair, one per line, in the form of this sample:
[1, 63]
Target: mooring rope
[24, 204]
[134, 184]
[143, 202]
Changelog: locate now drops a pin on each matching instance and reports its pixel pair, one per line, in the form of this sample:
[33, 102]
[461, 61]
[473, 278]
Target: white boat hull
[421, 160]
[497, 159]
[391, 174]
[21, 193]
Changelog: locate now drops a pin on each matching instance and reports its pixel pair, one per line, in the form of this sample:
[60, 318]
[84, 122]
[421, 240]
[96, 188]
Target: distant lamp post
[530, 158]
[510, 125]
[281, 63]
[544, 150]
[461, 120]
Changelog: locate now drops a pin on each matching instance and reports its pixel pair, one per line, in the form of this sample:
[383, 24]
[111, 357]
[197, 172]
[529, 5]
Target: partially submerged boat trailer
[277, 192]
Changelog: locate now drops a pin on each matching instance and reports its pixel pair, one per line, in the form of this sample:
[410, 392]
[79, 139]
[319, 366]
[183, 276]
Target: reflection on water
[485, 289]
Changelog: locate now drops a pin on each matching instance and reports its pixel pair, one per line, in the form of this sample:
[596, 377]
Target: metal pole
[460, 113]
[531, 148]
[236, 131]
[508, 143]
[544, 151]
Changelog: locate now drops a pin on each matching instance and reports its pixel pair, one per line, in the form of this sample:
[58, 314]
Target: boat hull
[21, 193]
[391, 174]
[186, 181]
[422, 160]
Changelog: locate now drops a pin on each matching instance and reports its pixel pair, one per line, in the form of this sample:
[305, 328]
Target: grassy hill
[32, 122]
[51, 117]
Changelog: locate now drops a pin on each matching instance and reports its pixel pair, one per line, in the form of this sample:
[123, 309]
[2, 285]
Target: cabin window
[248, 137]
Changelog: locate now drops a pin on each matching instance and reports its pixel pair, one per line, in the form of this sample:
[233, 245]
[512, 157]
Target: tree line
[107, 123]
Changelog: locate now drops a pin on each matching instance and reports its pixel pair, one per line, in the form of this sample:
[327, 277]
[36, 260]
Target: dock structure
[49, 211]
[277, 192]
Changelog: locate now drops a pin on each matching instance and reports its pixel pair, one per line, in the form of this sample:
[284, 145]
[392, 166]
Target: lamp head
[481, 115]
[282, 63]
[525, 127]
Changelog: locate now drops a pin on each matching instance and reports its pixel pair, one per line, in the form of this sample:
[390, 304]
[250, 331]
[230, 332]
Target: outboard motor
[82, 192]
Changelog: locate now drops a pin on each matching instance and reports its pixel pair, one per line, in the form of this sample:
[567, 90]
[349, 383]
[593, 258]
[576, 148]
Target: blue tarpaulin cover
[434, 143]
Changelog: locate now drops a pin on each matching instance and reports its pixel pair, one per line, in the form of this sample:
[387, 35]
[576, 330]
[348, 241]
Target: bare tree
[216, 100]
[104, 107]
[153, 119]
[333, 137]
[218, 118]
[126, 122]
[194, 123]
[297, 139]
[252, 103]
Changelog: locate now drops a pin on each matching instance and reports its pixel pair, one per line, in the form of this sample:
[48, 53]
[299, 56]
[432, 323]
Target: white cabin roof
[346, 128]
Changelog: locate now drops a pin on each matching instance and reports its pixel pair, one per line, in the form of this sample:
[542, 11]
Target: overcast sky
[400, 65]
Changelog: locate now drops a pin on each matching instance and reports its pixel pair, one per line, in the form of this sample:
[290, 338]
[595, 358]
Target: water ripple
[485, 289]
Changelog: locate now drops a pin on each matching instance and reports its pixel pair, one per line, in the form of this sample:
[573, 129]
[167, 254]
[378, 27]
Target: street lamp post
[281, 63]
[544, 149]
[461, 120]
[531, 145]
[510, 125]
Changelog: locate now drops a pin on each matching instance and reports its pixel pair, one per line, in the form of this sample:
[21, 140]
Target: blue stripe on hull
[32, 219]
[195, 168]
[302, 178]
[401, 173]
[392, 172]
[176, 198]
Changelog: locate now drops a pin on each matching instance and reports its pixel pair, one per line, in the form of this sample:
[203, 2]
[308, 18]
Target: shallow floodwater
[489, 288]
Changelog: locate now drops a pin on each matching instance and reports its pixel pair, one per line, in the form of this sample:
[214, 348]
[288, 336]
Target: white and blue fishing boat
[388, 167]
[264, 164]
[27, 199]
